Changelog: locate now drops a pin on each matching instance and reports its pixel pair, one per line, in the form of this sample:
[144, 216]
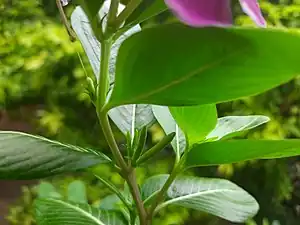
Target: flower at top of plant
[213, 12]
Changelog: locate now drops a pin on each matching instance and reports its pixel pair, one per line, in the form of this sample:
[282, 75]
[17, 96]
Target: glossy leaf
[232, 151]
[25, 156]
[215, 196]
[146, 10]
[167, 122]
[195, 121]
[57, 212]
[77, 192]
[193, 66]
[232, 125]
[123, 115]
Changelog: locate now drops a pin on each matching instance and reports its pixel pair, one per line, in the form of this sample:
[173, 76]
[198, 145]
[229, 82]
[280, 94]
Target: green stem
[113, 11]
[130, 7]
[112, 188]
[160, 196]
[65, 21]
[131, 181]
[127, 172]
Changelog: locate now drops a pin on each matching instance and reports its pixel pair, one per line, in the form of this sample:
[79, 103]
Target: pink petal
[202, 12]
[251, 8]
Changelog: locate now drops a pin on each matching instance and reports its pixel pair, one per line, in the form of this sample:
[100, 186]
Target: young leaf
[47, 190]
[167, 122]
[146, 10]
[57, 212]
[123, 115]
[232, 151]
[77, 192]
[215, 196]
[195, 121]
[231, 125]
[25, 156]
[193, 66]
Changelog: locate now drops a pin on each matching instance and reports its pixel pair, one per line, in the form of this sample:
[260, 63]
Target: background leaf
[57, 212]
[47, 190]
[225, 152]
[202, 65]
[215, 196]
[169, 125]
[77, 192]
[195, 121]
[146, 10]
[24, 156]
[232, 125]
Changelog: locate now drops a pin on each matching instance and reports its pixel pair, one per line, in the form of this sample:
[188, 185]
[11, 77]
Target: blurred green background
[42, 83]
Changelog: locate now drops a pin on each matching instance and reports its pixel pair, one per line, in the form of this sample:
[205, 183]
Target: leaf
[92, 46]
[25, 156]
[77, 192]
[110, 202]
[195, 121]
[123, 115]
[193, 66]
[47, 190]
[146, 10]
[91, 7]
[219, 197]
[167, 122]
[232, 151]
[57, 212]
[113, 203]
[231, 125]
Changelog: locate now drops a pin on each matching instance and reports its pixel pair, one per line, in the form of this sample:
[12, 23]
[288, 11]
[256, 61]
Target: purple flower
[213, 12]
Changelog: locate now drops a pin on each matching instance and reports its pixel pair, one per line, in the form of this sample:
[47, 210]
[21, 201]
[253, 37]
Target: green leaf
[25, 156]
[113, 203]
[233, 125]
[130, 117]
[57, 212]
[193, 66]
[195, 121]
[77, 192]
[47, 190]
[146, 10]
[122, 116]
[219, 197]
[232, 151]
[91, 7]
[110, 202]
[167, 122]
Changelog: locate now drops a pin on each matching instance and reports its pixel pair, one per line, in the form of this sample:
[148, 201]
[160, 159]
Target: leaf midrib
[177, 81]
[78, 209]
[174, 200]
